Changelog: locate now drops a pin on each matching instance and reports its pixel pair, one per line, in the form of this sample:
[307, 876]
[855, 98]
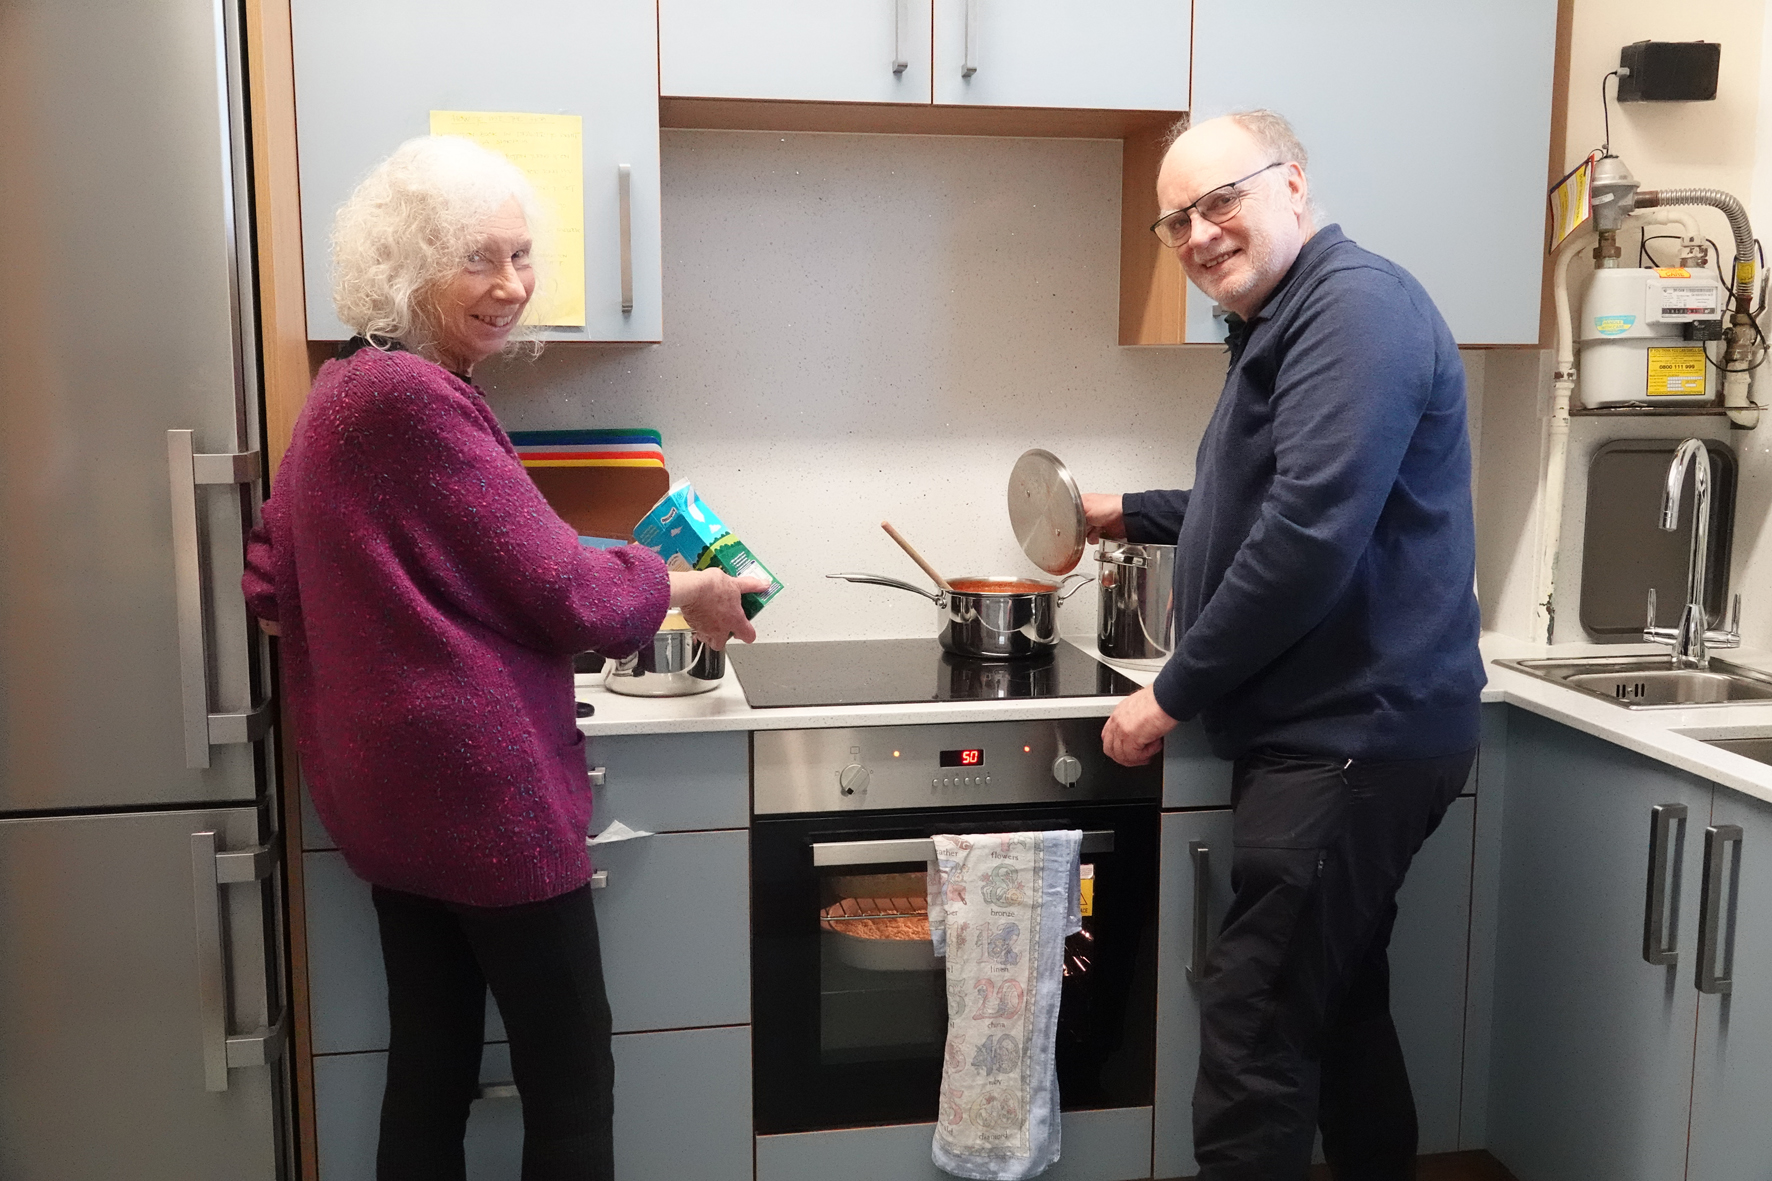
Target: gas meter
[1642, 336]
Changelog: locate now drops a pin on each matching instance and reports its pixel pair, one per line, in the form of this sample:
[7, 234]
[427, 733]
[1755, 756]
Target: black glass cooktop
[888, 672]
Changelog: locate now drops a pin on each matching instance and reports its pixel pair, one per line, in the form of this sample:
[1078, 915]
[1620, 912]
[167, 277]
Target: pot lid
[1046, 512]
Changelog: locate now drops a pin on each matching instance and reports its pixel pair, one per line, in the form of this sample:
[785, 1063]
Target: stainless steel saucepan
[991, 618]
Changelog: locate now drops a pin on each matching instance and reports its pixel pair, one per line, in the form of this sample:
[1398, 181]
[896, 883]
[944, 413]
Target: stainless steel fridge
[142, 984]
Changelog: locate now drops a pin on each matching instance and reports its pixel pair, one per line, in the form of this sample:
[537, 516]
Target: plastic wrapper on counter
[682, 526]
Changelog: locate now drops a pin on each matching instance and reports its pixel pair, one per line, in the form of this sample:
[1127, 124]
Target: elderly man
[1327, 638]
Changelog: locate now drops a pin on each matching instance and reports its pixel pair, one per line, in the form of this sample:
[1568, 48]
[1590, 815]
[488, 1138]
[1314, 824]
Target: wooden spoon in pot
[915, 556]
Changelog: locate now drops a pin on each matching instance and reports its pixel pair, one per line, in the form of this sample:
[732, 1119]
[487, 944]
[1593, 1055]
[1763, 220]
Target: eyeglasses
[1216, 206]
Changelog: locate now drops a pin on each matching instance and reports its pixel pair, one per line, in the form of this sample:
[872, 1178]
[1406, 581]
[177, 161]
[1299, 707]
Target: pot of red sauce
[991, 618]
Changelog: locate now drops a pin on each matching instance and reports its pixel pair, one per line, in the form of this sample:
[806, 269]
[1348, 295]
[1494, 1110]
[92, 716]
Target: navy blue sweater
[1324, 600]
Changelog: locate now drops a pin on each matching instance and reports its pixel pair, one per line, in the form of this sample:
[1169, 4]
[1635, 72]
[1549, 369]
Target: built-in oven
[849, 1000]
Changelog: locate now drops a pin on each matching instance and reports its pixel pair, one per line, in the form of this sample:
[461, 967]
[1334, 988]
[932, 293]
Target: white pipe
[1550, 513]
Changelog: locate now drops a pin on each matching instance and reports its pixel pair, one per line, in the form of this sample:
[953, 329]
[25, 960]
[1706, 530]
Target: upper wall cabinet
[1110, 55]
[368, 76]
[1428, 127]
[861, 51]
[1107, 55]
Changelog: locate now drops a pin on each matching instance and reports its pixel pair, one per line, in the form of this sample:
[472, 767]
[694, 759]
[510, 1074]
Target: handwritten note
[550, 151]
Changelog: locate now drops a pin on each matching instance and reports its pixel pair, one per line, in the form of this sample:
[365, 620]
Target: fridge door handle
[1713, 976]
[1200, 854]
[187, 469]
[1660, 936]
[222, 1051]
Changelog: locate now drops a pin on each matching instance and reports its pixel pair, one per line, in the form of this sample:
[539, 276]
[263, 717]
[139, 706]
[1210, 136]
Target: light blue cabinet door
[673, 782]
[682, 1110]
[1109, 55]
[347, 989]
[1193, 777]
[1178, 1010]
[357, 99]
[1429, 957]
[675, 926]
[1731, 1134]
[808, 50]
[1591, 1047]
[1389, 98]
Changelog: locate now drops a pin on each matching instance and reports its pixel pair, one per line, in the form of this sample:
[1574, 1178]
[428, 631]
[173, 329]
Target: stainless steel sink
[1647, 682]
[1757, 749]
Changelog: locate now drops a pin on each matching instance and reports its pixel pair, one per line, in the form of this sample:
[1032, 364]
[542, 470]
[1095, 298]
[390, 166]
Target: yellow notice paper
[550, 151]
[1571, 202]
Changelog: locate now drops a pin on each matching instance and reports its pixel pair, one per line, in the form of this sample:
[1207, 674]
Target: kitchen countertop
[1666, 735]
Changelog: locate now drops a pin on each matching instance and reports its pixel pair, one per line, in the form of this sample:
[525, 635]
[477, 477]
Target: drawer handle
[1660, 930]
[969, 62]
[600, 880]
[599, 776]
[498, 1091]
[1715, 977]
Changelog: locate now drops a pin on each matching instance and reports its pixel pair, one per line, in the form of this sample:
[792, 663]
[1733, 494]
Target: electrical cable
[1606, 114]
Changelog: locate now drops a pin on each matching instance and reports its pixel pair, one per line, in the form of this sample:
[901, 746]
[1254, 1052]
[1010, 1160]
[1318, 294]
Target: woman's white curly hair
[409, 226]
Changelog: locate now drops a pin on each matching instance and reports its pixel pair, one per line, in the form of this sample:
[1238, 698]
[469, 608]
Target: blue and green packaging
[683, 527]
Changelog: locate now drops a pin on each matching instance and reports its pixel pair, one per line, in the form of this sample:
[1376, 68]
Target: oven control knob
[854, 778]
[1066, 769]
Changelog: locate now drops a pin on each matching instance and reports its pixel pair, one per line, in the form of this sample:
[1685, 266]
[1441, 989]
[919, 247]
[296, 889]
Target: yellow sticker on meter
[1677, 372]
[1672, 273]
[1086, 879]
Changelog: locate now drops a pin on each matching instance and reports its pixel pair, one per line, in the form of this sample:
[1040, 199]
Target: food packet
[682, 527]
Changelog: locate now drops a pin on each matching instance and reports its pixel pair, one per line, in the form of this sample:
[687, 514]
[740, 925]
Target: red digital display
[962, 758]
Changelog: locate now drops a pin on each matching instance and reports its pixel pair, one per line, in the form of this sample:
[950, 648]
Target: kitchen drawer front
[1108, 1145]
[660, 1078]
[347, 990]
[675, 782]
[675, 924]
[1194, 777]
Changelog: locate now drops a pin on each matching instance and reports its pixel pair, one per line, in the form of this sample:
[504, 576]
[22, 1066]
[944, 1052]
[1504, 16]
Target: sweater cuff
[1172, 692]
[1137, 522]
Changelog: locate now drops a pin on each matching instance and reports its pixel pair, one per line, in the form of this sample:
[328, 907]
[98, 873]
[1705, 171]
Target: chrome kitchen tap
[1694, 637]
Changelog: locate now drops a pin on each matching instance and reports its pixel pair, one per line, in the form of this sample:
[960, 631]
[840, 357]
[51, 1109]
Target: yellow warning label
[1677, 372]
[1744, 274]
[1673, 273]
[1086, 876]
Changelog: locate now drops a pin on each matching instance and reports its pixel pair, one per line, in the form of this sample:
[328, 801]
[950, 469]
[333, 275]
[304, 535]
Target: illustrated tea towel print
[1000, 906]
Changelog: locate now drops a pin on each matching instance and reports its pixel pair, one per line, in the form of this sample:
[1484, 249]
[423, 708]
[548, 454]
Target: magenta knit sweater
[430, 602]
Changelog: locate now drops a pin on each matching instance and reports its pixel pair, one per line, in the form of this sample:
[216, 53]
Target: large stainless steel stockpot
[1136, 605]
[992, 618]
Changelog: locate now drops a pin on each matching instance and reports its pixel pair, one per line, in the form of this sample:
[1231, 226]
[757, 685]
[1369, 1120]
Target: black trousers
[1295, 1023]
[542, 962]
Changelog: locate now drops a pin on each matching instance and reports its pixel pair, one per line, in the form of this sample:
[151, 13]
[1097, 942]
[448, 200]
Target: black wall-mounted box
[1668, 71]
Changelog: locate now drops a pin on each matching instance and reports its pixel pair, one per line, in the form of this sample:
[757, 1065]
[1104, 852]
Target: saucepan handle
[1086, 579]
[881, 580]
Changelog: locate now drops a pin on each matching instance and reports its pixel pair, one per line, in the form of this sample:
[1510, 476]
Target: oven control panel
[959, 765]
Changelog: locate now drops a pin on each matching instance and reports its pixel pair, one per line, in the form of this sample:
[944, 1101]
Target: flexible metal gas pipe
[1737, 358]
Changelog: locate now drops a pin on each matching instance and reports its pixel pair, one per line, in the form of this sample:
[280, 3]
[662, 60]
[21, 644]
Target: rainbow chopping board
[601, 482]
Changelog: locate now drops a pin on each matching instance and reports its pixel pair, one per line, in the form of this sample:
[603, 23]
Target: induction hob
[892, 672]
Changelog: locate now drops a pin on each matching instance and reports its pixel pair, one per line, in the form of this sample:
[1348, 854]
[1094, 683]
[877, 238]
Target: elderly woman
[429, 603]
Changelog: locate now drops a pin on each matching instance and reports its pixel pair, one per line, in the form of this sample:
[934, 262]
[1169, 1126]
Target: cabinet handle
[969, 60]
[900, 11]
[498, 1091]
[1201, 855]
[600, 880]
[624, 174]
[210, 871]
[187, 469]
[1711, 978]
[598, 776]
[1660, 930]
